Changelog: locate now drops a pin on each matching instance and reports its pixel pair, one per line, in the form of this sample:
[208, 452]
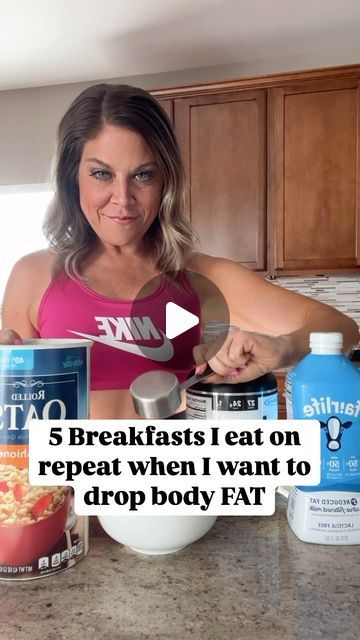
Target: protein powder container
[253, 400]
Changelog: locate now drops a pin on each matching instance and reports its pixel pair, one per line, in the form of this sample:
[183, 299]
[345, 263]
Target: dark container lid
[355, 354]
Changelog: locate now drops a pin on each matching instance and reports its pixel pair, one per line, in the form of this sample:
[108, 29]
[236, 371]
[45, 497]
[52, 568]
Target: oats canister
[39, 532]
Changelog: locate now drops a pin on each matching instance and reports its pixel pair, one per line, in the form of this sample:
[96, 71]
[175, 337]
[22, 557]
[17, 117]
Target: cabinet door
[280, 379]
[314, 172]
[168, 106]
[222, 138]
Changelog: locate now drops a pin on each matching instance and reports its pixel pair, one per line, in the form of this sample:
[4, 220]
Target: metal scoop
[157, 394]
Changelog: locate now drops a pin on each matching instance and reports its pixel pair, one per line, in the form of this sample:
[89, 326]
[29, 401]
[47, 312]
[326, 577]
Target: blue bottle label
[336, 404]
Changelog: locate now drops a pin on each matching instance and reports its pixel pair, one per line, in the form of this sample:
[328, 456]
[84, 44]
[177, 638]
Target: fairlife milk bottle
[325, 386]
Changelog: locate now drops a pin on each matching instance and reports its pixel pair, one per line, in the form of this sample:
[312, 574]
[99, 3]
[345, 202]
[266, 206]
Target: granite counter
[248, 578]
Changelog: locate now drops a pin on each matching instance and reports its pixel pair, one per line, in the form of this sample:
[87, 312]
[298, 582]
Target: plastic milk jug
[325, 386]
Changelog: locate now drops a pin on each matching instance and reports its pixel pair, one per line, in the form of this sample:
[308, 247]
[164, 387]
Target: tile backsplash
[341, 292]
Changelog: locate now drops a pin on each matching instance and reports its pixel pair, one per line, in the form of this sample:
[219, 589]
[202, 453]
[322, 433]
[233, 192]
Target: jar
[253, 400]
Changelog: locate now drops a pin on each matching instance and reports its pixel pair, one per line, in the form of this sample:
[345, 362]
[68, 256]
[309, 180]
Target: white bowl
[156, 535]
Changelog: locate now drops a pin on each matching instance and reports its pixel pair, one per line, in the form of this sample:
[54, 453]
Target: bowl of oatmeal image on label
[32, 518]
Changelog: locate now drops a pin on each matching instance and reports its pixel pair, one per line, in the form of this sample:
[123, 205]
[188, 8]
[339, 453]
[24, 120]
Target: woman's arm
[282, 322]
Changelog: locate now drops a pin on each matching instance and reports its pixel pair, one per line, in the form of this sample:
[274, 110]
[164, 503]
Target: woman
[116, 224]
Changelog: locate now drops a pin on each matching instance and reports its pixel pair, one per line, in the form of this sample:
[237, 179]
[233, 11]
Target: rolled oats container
[40, 534]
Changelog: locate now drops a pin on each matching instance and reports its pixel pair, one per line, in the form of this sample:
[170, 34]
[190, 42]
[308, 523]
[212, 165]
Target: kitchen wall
[341, 292]
[29, 117]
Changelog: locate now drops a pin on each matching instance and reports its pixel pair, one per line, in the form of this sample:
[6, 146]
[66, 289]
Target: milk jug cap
[329, 342]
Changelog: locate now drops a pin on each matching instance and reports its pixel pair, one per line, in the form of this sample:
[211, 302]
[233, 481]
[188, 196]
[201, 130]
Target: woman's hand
[242, 356]
[8, 336]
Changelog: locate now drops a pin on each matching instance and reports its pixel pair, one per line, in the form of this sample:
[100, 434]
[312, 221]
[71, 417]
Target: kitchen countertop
[248, 578]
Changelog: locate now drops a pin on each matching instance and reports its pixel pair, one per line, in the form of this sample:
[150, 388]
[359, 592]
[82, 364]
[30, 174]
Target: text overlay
[174, 467]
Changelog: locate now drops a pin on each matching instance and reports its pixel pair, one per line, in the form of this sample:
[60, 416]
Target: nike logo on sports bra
[163, 353]
[132, 329]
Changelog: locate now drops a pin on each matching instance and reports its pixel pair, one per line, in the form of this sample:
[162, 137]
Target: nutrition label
[57, 559]
[198, 407]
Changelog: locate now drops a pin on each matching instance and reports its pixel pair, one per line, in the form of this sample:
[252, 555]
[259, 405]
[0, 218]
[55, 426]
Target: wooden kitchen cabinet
[222, 139]
[280, 379]
[168, 106]
[272, 167]
[313, 140]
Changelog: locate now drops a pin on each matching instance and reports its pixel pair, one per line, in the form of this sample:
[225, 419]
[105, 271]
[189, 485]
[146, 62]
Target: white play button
[178, 320]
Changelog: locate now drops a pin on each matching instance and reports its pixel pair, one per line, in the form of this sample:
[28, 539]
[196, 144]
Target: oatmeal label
[40, 533]
[16, 361]
[43, 397]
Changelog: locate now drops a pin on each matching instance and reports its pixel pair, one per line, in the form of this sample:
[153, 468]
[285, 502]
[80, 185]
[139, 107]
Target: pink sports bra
[128, 335]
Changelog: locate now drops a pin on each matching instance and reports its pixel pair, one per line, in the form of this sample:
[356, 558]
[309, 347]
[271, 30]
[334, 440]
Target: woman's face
[120, 186]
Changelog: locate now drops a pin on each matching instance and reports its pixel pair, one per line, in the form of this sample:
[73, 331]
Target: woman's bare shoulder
[199, 262]
[33, 262]
[215, 267]
[28, 280]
